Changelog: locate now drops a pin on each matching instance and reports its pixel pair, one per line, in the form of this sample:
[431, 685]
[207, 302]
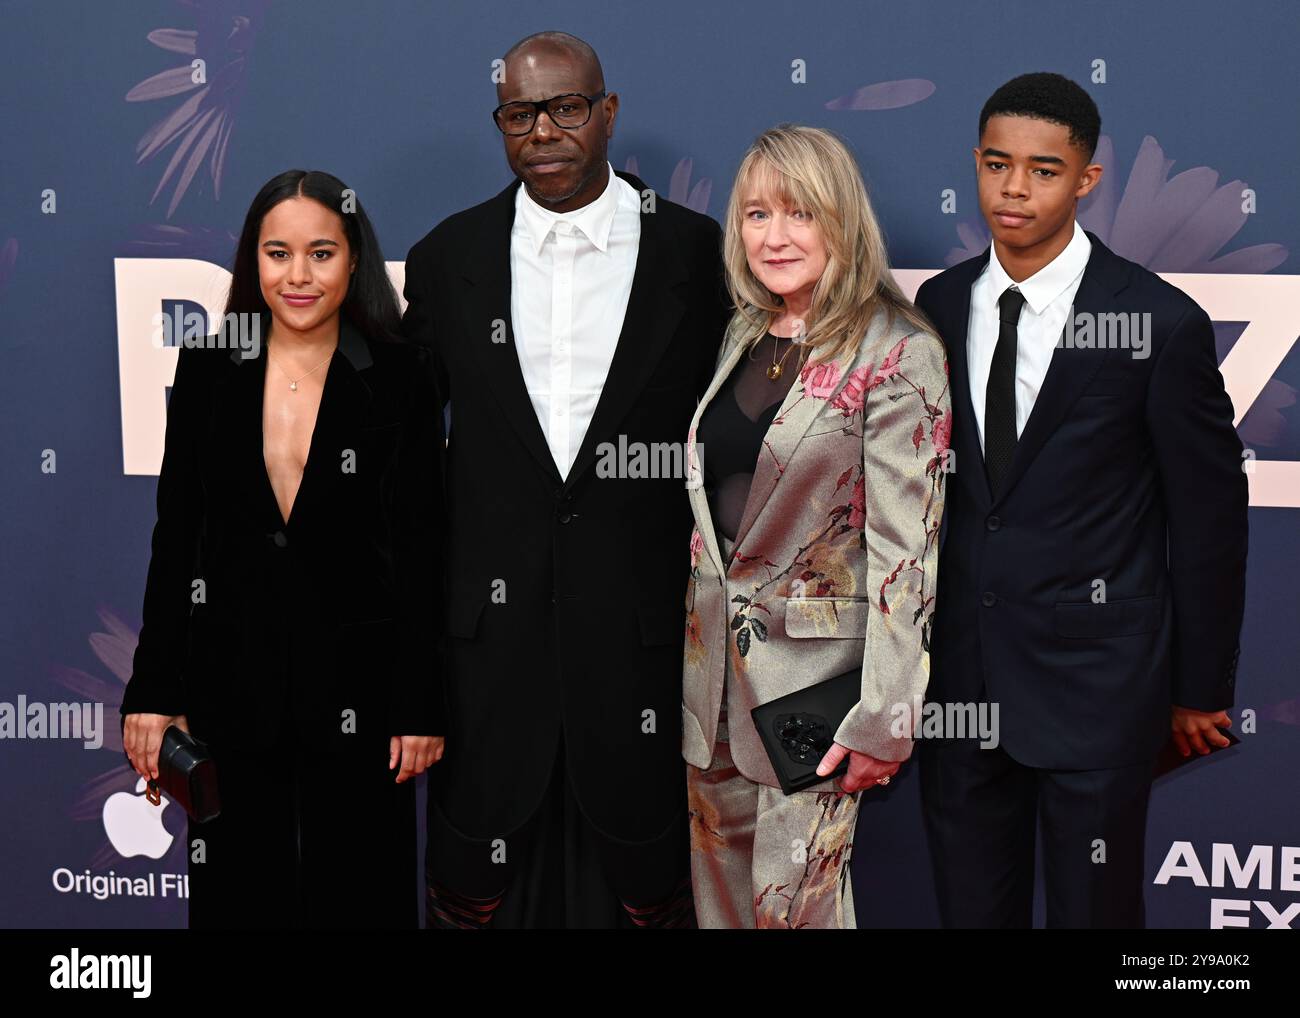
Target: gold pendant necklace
[293, 382]
[775, 371]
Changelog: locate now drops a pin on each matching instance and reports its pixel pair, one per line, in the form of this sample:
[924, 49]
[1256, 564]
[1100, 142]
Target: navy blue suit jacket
[1128, 471]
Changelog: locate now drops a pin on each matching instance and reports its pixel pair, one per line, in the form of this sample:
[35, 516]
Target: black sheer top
[733, 426]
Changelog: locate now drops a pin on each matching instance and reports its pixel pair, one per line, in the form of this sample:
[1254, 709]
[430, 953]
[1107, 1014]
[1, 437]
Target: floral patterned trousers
[763, 859]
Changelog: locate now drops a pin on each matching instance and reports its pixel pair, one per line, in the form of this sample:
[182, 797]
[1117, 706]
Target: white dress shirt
[1049, 295]
[571, 275]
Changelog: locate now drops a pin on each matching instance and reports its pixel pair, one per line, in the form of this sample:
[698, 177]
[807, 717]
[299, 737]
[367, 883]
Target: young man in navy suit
[1093, 570]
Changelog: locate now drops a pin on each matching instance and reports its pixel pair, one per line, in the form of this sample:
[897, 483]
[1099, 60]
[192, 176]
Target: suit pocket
[382, 438]
[835, 618]
[1089, 621]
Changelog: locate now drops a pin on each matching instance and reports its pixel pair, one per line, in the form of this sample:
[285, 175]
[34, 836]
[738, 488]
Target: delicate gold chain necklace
[293, 382]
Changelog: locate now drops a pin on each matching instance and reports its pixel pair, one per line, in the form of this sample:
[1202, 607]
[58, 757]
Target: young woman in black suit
[292, 596]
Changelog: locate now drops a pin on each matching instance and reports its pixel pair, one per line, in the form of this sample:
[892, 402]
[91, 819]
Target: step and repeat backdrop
[135, 134]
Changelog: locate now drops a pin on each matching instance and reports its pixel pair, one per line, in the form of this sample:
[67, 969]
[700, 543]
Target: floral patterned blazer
[835, 559]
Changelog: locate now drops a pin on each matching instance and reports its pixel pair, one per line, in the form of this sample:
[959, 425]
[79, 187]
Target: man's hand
[1192, 728]
[142, 739]
[416, 752]
[864, 771]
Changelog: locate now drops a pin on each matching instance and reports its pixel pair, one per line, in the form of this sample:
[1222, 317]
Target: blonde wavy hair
[811, 169]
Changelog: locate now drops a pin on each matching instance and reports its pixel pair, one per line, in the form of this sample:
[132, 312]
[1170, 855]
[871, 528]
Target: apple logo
[134, 825]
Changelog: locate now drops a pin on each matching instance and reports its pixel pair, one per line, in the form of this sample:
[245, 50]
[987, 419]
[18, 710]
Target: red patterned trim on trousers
[449, 910]
[675, 913]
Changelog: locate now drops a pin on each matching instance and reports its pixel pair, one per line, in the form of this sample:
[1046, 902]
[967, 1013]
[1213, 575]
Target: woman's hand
[864, 771]
[142, 737]
[1192, 729]
[416, 752]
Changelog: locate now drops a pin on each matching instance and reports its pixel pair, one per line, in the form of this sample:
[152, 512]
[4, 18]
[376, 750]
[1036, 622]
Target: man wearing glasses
[576, 320]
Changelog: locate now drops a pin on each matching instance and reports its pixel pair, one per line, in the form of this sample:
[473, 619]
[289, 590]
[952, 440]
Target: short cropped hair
[1052, 97]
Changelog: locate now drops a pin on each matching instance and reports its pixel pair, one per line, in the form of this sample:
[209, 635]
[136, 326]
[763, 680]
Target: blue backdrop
[109, 156]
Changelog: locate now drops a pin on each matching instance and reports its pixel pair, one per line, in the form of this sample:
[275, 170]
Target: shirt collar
[594, 220]
[1049, 282]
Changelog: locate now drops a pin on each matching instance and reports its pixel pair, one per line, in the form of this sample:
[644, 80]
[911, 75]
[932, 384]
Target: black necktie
[1000, 396]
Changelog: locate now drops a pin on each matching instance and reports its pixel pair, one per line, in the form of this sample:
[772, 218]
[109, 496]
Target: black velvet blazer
[324, 624]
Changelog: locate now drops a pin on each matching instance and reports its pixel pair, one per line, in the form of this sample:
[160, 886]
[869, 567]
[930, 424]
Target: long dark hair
[370, 304]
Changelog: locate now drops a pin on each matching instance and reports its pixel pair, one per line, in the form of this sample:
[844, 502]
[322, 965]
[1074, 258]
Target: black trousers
[306, 841]
[557, 871]
[982, 809]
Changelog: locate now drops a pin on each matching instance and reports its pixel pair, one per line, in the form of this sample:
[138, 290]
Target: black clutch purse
[797, 729]
[187, 774]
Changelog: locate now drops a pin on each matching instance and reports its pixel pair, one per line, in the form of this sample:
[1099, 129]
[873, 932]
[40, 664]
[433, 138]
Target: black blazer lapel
[1071, 368]
[654, 308]
[487, 302]
[235, 437]
[237, 426]
[954, 328]
[345, 402]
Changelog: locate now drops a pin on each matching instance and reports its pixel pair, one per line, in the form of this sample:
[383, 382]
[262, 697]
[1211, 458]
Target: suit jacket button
[565, 517]
[993, 522]
[988, 599]
[280, 539]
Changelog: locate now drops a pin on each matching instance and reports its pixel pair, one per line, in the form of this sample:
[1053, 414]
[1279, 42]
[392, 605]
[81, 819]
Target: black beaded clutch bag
[797, 729]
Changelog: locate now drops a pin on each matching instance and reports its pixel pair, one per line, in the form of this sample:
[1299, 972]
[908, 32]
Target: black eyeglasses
[573, 109]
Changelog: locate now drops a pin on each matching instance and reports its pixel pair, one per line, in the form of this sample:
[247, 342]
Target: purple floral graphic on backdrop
[167, 240]
[1177, 224]
[200, 126]
[115, 649]
[885, 95]
[679, 188]
[1163, 224]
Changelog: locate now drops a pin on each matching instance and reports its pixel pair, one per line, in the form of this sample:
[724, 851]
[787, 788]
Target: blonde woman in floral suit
[817, 525]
